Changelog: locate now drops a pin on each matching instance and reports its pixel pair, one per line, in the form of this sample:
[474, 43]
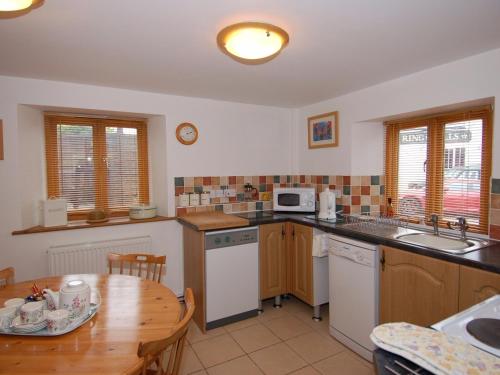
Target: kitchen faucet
[462, 226]
[435, 223]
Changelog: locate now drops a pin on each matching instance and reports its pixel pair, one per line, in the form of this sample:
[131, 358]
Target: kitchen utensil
[327, 205]
[57, 320]
[194, 199]
[7, 314]
[142, 211]
[74, 297]
[184, 200]
[31, 312]
[250, 192]
[16, 302]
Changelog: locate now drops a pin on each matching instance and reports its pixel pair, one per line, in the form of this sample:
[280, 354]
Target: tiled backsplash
[495, 209]
[360, 194]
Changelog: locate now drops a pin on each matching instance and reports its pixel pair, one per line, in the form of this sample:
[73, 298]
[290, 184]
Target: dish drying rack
[369, 223]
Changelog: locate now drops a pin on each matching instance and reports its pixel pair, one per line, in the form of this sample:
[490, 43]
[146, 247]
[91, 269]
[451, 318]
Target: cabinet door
[301, 263]
[476, 286]
[272, 253]
[415, 288]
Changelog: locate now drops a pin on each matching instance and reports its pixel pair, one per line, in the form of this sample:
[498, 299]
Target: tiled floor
[279, 341]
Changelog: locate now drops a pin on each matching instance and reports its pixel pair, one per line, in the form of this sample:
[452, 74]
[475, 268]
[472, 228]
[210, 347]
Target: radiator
[90, 257]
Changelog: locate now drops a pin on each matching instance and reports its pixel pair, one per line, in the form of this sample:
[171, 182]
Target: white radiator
[90, 257]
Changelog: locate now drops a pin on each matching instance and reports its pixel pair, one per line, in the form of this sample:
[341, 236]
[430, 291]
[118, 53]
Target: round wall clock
[186, 133]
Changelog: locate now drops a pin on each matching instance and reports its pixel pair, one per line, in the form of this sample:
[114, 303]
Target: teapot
[74, 297]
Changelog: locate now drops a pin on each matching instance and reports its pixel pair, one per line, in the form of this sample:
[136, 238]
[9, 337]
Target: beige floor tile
[344, 363]
[277, 360]
[270, 313]
[241, 366]
[306, 371]
[242, 324]
[287, 327]
[190, 362]
[254, 337]
[195, 335]
[216, 350]
[202, 372]
[314, 347]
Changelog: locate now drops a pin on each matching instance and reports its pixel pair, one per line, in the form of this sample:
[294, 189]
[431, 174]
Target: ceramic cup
[31, 312]
[7, 314]
[16, 302]
[57, 320]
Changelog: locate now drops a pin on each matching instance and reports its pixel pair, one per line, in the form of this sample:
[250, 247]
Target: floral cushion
[434, 351]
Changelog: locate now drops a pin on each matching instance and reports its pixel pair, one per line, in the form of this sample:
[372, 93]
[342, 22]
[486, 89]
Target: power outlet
[230, 192]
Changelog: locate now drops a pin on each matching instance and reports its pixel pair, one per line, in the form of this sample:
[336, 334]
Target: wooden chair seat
[148, 265]
[153, 352]
[7, 276]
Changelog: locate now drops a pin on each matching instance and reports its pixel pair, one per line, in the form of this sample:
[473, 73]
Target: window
[441, 164]
[96, 163]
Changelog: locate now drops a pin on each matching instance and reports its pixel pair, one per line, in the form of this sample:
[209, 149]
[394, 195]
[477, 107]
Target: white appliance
[327, 205]
[232, 275]
[294, 199]
[54, 212]
[353, 293]
[456, 325]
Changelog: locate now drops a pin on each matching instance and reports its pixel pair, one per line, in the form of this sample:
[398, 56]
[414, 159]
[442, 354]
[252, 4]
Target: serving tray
[71, 327]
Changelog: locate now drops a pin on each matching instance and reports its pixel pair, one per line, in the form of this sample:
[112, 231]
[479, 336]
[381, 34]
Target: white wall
[235, 139]
[361, 139]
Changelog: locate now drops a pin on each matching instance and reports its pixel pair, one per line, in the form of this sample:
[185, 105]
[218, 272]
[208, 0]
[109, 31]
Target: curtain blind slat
[96, 163]
[441, 164]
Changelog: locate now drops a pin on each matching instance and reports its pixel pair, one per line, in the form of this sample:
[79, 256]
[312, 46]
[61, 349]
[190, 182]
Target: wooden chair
[153, 352]
[136, 263]
[7, 276]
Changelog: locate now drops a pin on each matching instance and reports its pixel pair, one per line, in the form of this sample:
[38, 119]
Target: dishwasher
[232, 275]
[353, 277]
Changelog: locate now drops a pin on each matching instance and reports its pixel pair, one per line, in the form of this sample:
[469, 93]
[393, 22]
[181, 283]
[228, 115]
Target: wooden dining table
[132, 310]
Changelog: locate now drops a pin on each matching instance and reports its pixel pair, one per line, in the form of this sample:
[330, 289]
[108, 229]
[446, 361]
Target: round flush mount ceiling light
[252, 42]
[16, 8]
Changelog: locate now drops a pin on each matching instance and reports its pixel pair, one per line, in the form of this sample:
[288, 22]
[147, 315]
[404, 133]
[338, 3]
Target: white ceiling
[168, 46]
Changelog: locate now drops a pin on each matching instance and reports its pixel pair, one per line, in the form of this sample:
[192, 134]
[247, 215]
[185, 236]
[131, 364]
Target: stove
[478, 325]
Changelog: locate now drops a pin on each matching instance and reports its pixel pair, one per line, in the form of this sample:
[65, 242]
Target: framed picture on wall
[323, 130]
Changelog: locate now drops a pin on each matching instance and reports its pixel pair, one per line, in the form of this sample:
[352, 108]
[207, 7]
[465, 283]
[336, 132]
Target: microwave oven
[294, 199]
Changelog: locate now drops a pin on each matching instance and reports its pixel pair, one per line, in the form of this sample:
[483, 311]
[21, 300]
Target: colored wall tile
[355, 190]
[346, 180]
[495, 232]
[494, 216]
[365, 190]
[189, 181]
[179, 181]
[259, 206]
[375, 180]
[232, 180]
[346, 190]
[365, 209]
[495, 185]
[240, 180]
[495, 200]
[365, 180]
[207, 181]
[356, 200]
[355, 180]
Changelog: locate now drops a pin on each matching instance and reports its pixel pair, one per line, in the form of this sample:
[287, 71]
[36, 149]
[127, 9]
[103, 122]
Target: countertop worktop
[487, 258]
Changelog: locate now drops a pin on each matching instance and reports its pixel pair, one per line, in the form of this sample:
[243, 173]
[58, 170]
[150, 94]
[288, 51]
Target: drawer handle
[382, 260]
[283, 232]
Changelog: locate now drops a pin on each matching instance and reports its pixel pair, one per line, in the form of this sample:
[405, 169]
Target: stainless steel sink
[442, 243]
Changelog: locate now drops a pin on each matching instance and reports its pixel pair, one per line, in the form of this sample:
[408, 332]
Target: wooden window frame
[435, 156]
[99, 146]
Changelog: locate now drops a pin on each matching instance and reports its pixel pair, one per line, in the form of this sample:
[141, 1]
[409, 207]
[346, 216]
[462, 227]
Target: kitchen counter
[487, 258]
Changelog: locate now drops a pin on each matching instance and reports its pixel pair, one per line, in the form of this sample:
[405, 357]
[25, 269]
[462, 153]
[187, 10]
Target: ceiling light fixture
[252, 42]
[16, 8]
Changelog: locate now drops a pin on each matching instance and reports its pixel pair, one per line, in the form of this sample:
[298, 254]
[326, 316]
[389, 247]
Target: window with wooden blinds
[441, 164]
[96, 163]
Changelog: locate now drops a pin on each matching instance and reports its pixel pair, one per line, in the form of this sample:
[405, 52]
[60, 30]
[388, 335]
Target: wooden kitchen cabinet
[476, 285]
[285, 259]
[415, 288]
[301, 267]
[272, 260]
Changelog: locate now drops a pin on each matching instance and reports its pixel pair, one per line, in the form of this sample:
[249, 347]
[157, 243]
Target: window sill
[82, 224]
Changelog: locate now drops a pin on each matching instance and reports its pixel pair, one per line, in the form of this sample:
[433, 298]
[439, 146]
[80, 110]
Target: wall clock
[186, 133]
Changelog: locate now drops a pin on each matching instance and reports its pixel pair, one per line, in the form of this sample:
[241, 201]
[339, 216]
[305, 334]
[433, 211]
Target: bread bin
[142, 211]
